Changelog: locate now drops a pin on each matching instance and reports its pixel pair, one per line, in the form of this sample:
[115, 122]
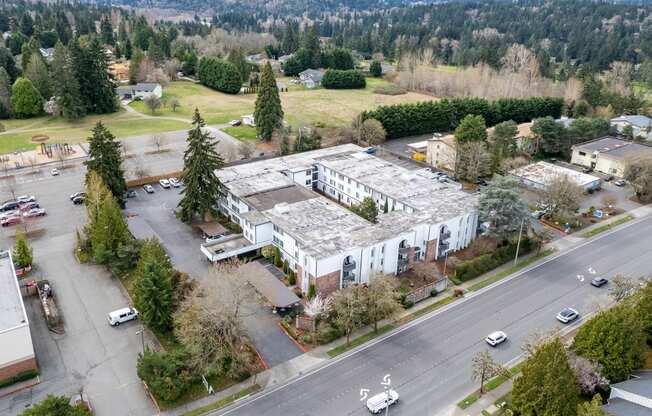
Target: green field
[325, 108]
[330, 108]
[121, 124]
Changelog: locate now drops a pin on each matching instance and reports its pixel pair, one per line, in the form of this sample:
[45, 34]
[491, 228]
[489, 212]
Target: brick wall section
[328, 283]
[17, 368]
[410, 254]
[431, 251]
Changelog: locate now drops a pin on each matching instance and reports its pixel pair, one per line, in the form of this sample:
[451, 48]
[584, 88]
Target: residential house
[311, 78]
[17, 351]
[538, 175]
[141, 90]
[641, 125]
[284, 58]
[631, 397]
[256, 58]
[298, 202]
[608, 155]
[248, 120]
[441, 152]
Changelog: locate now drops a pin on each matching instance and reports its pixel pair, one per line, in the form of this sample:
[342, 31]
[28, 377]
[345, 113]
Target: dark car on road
[599, 281]
[78, 200]
[9, 206]
[131, 193]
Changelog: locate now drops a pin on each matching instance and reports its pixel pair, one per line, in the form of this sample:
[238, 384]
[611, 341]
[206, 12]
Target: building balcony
[403, 250]
[443, 246]
[347, 267]
[445, 235]
[348, 277]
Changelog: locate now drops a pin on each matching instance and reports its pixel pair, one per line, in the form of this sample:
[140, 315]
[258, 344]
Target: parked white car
[567, 315]
[381, 401]
[496, 338]
[121, 316]
[54, 172]
[23, 199]
[164, 183]
[174, 182]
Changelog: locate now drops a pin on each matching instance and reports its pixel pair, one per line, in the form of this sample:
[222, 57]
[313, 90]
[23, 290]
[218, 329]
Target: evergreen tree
[22, 253]
[367, 209]
[471, 129]
[128, 49]
[155, 52]
[376, 69]
[134, 65]
[200, 161]
[106, 31]
[289, 43]
[5, 94]
[268, 113]
[101, 98]
[592, 408]
[237, 58]
[106, 229]
[153, 287]
[615, 339]
[312, 46]
[189, 66]
[502, 206]
[547, 385]
[65, 85]
[105, 159]
[9, 64]
[25, 99]
[37, 72]
[27, 25]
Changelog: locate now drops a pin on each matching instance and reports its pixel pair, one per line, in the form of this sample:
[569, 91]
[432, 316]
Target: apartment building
[298, 204]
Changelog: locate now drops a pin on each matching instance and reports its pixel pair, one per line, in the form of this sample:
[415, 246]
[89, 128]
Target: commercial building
[298, 204]
[539, 175]
[608, 155]
[16, 349]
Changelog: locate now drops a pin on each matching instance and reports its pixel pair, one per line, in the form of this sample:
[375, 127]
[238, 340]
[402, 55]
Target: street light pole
[518, 244]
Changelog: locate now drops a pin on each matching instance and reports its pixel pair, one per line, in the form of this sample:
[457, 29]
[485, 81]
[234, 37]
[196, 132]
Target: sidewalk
[486, 401]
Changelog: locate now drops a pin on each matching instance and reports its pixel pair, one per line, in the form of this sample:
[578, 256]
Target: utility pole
[518, 244]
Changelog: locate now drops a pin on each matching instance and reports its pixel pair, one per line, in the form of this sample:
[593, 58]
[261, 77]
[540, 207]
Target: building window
[308, 181]
[373, 250]
[582, 153]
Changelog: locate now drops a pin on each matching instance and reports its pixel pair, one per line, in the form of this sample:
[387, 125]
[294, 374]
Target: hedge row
[219, 75]
[338, 79]
[411, 119]
[470, 269]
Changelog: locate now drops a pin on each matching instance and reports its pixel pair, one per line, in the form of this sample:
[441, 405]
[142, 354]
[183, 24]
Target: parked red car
[6, 222]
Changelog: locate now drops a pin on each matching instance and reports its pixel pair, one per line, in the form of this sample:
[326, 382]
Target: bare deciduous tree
[139, 168]
[372, 132]
[562, 195]
[31, 161]
[157, 141]
[380, 298]
[623, 287]
[152, 102]
[174, 104]
[473, 161]
[484, 368]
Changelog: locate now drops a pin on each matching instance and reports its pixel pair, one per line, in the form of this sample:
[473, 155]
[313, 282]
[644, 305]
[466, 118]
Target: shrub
[407, 304]
[292, 278]
[286, 267]
[165, 373]
[413, 119]
[376, 69]
[458, 293]
[312, 291]
[327, 333]
[219, 75]
[434, 293]
[470, 269]
[338, 79]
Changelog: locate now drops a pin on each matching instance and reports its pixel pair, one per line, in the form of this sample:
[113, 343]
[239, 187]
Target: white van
[379, 402]
[122, 315]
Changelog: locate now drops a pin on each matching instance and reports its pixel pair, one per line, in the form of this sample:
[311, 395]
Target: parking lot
[90, 354]
[182, 244]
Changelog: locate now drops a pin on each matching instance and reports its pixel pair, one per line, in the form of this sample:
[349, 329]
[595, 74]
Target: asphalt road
[429, 359]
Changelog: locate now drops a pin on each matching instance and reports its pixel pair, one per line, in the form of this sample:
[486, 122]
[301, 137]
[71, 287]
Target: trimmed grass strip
[513, 269]
[608, 226]
[490, 385]
[223, 402]
[360, 340]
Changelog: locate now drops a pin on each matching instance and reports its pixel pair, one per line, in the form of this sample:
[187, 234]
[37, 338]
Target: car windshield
[566, 312]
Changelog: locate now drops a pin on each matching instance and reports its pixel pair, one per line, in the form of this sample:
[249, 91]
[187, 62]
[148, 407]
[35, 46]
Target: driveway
[91, 354]
[182, 244]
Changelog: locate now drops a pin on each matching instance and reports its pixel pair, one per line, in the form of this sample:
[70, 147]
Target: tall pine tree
[268, 113]
[105, 159]
[37, 72]
[65, 85]
[200, 161]
[154, 286]
[237, 58]
[5, 94]
[91, 70]
[312, 45]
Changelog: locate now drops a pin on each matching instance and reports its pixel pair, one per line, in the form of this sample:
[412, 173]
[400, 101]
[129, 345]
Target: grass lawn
[121, 124]
[501, 275]
[360, 340]
[244, 133]
[332, 108]
[489, 386]
[223, 402]
[608, 226]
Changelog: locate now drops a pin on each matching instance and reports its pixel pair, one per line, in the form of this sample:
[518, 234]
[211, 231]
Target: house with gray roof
[608, 155]
[641, 125]
[631, 397]
[140, 90]
[311, 78]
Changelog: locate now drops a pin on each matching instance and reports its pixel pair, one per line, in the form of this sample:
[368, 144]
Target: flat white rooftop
[12, 311]
[543, 172]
